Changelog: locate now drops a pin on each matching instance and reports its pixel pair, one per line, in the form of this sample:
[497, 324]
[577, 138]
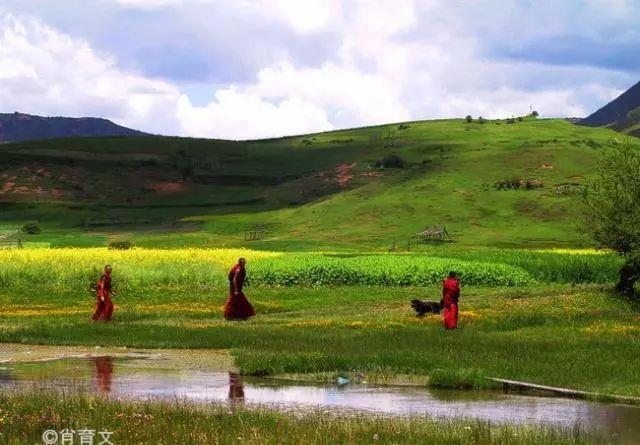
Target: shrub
[481, 120]
[31, 228]
[511, 121]
[468, 118]
[391, 161]
[517, 183]
[120, 245]
[534, 113]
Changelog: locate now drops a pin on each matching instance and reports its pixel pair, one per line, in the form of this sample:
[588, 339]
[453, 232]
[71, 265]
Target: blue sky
[254, 68]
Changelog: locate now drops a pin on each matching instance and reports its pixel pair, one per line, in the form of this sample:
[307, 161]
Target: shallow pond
[129, 378]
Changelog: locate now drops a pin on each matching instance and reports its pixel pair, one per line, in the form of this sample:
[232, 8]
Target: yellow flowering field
[135, 267]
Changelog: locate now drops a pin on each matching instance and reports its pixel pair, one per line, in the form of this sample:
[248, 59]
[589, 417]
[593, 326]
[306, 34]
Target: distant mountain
[16, 127]
[621, 114]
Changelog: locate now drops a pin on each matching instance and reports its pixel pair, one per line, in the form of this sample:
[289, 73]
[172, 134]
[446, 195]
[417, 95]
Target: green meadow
[331, 191]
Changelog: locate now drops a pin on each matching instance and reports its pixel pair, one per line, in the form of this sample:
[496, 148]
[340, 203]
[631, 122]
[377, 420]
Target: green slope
[312, 191]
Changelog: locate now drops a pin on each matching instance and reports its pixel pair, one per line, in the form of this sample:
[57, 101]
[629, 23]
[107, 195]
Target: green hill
[24, 127]
[492, 183]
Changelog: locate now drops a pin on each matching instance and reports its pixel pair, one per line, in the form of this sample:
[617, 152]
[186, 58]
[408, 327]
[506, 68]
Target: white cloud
[54, 74]
[148, 4]
[49, 73]
[305, 16]
[395, 61]
[233, 114]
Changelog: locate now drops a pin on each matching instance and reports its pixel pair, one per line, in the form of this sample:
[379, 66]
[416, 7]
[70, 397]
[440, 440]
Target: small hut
[257, 233]
[105, 218]
[11, 243]
[433, 234]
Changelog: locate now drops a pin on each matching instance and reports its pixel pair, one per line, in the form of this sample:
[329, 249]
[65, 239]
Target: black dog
[423, 307]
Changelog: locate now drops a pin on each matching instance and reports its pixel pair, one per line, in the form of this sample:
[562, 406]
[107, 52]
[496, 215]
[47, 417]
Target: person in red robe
[237, 306]
[450, 297]
[104, 305]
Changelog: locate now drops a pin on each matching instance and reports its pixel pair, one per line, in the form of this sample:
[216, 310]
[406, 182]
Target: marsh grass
[24, 417]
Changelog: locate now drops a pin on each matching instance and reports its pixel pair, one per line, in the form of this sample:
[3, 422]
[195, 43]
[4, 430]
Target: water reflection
[5, 376]
[104, 373]
[134, 379]
[236, 388]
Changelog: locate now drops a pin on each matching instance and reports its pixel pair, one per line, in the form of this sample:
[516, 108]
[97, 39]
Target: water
[131, 379]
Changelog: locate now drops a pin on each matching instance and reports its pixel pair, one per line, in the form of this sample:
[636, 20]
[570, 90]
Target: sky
[243, 69]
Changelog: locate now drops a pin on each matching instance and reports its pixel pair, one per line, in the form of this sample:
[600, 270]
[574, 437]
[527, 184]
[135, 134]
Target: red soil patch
[168, 187]
[7, 186]
[344, 174]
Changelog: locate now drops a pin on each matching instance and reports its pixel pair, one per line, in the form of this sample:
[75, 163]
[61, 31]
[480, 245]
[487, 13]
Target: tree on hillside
[612, 210]
[468, 118]
[534, 113]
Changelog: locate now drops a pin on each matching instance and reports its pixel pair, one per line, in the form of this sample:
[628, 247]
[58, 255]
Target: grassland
[320, 191]
[548, 332]
[330, 299]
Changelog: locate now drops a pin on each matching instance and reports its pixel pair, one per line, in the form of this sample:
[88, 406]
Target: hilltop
[621, 114]
[24, 127]
[497, 183]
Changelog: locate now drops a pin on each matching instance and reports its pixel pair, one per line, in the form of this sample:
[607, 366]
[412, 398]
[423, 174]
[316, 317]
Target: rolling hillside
[494, 183]
[24, 127]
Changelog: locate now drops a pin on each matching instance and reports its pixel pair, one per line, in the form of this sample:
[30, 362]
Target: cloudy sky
[253, 68]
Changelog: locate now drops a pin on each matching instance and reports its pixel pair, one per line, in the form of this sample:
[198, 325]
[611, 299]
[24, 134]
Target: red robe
[450, 296]
[237, 306]
[104, 305]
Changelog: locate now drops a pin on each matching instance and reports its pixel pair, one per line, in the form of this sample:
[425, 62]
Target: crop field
[73, 268]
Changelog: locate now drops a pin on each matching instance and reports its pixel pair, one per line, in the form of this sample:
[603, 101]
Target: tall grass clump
[24, 417]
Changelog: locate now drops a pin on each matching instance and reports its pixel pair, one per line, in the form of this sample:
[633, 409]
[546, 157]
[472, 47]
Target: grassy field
[548, 332]
[24, 418]
[321, 191]
[332, 278]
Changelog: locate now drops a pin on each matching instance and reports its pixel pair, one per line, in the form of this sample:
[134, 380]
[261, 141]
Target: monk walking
[104, 305]
[237, 306]
[450, 297]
